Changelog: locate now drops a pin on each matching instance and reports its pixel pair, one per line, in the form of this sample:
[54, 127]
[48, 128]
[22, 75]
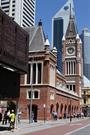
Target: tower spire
[70, 11]
[71, 29]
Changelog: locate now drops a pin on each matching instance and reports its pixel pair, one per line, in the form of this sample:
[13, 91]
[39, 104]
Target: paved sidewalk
[24, 126]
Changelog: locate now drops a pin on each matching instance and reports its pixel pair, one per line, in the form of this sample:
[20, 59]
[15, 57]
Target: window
[35, 94]
[71, 87]
[34, 75]
[29, 94]
[84, 92]
[74, 88]
[29, 74]
[39, 72]
[67, 86]
[84, 100]
[70, 68]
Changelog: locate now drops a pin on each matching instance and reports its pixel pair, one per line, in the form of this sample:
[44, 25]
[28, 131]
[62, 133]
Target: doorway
[35, 110]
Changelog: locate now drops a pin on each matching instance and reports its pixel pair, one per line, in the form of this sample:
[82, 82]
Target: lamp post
[44, 106]
[30, 118]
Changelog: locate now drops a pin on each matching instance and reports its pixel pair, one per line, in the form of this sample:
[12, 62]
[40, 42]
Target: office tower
[22, 11]
[85, 36]
[59, 26]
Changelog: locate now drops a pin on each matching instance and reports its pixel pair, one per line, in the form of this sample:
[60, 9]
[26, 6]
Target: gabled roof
[31, 31]
[36, 38]
[71, 29]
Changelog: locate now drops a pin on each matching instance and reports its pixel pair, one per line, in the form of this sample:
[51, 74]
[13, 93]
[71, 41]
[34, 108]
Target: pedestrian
[12, 119]
[4, 121]
[19, 116]
[64, 115]
[8, 113]
[0, 116]
[55, 115]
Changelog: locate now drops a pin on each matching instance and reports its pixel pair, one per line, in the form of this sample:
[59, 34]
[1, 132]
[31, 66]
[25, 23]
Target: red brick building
[49, 89]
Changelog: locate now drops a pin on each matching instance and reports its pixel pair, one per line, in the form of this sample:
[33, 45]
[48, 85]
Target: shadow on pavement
[3, 128]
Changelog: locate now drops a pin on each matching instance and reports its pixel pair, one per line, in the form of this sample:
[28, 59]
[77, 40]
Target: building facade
[72, 57]
[59, 26]
[13, 61]
[85, 36]
[22, 11]
[85, 102]
[44, 89]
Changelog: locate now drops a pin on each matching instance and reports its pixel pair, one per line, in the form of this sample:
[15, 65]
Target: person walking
[12, 119]
[4, 121]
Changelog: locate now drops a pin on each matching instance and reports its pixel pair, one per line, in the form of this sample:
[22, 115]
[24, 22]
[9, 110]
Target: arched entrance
[57, 107]
[34, 112]
[65, 111]
[51, 108]
[61, 111]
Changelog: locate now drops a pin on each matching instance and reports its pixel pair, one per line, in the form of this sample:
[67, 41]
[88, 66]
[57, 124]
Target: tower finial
[46, 37]
[70, 11]
[40, 23]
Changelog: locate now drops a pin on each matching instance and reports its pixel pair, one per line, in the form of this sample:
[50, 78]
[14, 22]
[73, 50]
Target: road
[77, 128]
[82, 131]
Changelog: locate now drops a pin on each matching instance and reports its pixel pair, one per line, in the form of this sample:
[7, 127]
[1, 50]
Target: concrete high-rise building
[22, 11]
[85, 36]
[59, 26]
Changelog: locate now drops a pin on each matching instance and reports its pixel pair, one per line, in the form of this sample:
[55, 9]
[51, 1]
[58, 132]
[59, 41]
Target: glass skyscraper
[59, 26]
[85, 36]
[22, 11]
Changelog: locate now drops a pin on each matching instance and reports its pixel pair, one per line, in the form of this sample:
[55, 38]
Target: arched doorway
[51, 108]
[69, 110]
[34, 112]
[57, 107]
[65, 111]
[61, 110]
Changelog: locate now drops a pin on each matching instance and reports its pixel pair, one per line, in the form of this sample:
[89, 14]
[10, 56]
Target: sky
[46, 9]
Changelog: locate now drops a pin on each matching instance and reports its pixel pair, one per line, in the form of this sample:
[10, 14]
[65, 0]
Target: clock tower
[72, 58]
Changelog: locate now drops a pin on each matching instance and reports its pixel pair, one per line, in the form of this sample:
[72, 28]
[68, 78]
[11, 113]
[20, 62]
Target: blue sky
[46, 9]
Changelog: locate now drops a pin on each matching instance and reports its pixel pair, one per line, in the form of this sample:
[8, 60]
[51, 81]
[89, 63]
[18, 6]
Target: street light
[44, 106]
[31, 119]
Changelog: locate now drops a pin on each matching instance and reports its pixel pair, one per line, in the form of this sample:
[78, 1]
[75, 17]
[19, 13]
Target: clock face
[70, 50]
